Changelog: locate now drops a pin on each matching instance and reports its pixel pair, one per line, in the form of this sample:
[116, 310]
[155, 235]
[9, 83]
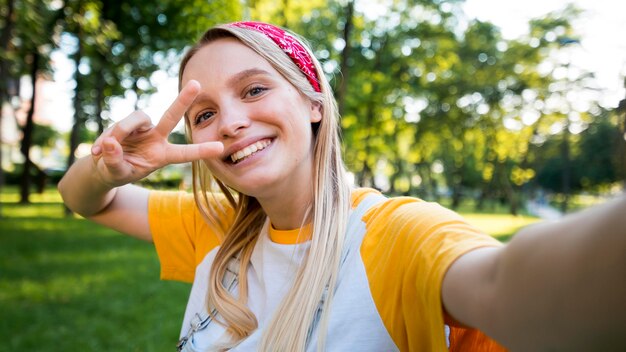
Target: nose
[232, 122]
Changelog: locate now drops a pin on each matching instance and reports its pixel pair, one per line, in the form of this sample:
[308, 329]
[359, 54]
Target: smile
[249, 150]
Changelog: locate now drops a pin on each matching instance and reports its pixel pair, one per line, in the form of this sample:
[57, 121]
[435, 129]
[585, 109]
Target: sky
[602, 50]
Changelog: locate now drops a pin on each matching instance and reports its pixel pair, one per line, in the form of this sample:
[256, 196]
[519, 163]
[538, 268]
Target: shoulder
[417, 231]
[166, 200]
[182, 234]
[404, 214]
[177, 203]
[408, 246]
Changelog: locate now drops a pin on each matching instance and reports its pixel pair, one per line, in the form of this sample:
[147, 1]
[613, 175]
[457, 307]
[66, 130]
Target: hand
[133, 148]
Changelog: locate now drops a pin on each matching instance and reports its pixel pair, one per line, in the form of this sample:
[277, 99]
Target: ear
[316, 112]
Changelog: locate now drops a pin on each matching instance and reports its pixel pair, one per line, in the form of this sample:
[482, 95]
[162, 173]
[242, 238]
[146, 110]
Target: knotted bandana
[290, 45]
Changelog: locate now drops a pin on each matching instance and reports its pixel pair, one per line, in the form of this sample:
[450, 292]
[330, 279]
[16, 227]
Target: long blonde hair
[290, 326]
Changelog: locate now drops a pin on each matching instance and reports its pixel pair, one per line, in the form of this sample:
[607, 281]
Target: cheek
[202, 135]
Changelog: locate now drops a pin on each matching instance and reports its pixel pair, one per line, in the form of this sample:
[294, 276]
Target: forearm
[83, 191]
[562, 285]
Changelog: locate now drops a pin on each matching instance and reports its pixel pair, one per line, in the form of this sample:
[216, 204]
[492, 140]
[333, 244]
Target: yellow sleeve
[181, 235]
[407, 249]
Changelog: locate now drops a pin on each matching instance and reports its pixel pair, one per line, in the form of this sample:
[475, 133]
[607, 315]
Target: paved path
[542, 210]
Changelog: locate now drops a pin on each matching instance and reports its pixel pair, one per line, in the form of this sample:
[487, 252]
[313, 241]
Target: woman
[284, 255]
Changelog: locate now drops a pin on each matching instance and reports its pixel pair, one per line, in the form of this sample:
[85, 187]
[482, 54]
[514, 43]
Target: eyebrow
[246, 74]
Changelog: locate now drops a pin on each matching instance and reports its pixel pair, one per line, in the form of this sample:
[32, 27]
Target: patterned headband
[290, 45]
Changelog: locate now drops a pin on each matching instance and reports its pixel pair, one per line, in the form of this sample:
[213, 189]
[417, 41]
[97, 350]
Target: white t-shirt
[354, 322]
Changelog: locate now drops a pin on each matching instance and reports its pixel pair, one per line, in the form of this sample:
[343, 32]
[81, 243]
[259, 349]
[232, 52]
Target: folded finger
[137, 121]
[182, 153]
[175, 112]
[112, 155]
[96, 147]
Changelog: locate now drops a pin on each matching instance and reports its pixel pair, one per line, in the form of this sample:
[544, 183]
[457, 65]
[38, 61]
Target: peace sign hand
[133, 148]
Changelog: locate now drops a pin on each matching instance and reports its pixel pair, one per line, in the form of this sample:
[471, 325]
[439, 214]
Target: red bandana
[290, 45]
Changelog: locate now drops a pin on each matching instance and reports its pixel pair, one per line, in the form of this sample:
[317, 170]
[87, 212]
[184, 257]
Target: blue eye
[204, 116]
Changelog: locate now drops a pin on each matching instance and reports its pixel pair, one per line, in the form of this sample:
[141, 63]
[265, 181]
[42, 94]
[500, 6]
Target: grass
[500, 226]
[67, 284]
[495, 218]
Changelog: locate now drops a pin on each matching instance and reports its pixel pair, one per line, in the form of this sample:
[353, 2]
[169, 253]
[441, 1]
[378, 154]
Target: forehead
[221, 59]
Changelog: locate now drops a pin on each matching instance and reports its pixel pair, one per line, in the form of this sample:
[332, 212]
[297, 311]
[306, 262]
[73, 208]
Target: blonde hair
[316, 279]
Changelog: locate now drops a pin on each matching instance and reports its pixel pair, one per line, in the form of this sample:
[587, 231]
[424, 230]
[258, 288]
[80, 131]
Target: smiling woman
[285, 255]
[246, 103]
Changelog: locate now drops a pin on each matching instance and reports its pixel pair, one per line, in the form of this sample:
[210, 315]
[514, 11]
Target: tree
[32, 44]
[8, 22]
[119, 45]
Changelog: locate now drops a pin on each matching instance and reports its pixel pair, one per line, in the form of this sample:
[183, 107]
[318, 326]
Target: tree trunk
[430, 182]
[621, 115]
[457, 179]
[512, 196]
[5, 40]
[78, 116]
[100, 98]
[623, 144]
[365, 177]
[345, 56]
[457, 195]
[566, 172]
[485, 193]
[370, 110]
[27, 139]
[106, 16]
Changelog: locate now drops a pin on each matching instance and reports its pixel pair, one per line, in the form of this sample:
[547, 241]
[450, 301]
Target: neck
[287, 201]
[288, 213]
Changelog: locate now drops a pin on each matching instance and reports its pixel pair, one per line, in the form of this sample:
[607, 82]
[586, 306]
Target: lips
[249, 150]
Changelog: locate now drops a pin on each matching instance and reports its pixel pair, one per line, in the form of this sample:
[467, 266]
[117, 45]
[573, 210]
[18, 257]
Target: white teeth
[249, 150]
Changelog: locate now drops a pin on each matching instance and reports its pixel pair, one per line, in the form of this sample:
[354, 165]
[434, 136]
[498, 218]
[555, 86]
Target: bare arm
[123, 208]
[98, 186]
[556, 286]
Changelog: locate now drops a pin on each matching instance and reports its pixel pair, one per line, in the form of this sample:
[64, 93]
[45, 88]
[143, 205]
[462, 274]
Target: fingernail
[96, 150]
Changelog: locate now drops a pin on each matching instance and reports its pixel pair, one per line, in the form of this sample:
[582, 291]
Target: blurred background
[509, 113]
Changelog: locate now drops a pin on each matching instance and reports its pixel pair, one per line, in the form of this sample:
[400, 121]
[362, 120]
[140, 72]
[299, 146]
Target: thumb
[182, 153]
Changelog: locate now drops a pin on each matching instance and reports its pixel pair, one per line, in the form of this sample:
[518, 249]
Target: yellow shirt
[408, 246]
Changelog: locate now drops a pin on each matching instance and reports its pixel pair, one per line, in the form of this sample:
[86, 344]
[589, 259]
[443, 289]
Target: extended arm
[556, 286]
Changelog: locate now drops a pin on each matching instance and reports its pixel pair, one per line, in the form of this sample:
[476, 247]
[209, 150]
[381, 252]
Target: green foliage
[31, 33]
[44, 135]
[124, 43]
[419, 90]
[421, 87]
[594, 163]
[596, 160]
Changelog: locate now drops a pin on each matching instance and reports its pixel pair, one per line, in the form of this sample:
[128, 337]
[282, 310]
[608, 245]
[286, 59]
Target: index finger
[178, 108]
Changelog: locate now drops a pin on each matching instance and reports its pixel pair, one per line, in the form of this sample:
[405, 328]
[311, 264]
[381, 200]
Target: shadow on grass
[67, 284]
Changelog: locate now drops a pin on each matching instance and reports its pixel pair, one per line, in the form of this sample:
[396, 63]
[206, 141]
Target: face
[262, 120]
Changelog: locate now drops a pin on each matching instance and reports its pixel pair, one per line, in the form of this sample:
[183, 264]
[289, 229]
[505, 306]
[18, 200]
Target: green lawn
[67, 284]
[71, 285]
[500, 226]
[495, 219]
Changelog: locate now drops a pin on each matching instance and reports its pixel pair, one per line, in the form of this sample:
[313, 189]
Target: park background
[505, 112]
